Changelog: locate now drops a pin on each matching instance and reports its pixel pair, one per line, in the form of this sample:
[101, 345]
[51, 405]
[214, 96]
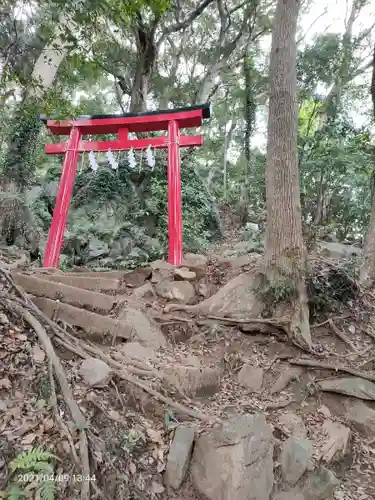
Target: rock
[183, 273]
[237, 262]
[194, 380]
[295, 456]
[350, 386]
[97, 248]
[287, 374]
[338, 250]
[138, 351]
[4, 319]
[251, 377]
[161, 270]
[95, 373]
[336, 443]
[182, 291]
[235, 462]
[361, 417]
[162, 265]
[179, 456]
[145, 291]
[137, 277]
[144, 330]
[203, 290]
[320, 485]
[293, 424]
[239, 295]
[196, 263]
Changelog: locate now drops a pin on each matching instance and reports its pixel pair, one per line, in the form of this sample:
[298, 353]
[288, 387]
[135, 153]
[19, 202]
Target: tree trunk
[249, 115]
[227, 142]
[18, 165]
[285, 254]
[367, 270]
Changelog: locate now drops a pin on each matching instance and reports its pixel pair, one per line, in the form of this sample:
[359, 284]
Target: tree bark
[285, 254]
[249, 116]
[18, 164]
[367, 269]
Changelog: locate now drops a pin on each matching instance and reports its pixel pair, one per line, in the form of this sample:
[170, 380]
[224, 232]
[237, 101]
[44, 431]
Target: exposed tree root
[335, 368]
[75, 411]
[341, 335]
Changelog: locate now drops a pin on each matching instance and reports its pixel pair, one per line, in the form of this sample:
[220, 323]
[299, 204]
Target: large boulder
[338, 250]
[349, 386]
[251, 377]
[95, 372]
[295, 456]
[182, 291]
[196, 263]
[235, 462]
[362, 417]
[144, 329]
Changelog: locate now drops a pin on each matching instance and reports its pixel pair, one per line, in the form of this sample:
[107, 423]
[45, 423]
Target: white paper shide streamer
[131, 158]
[150, 158]
[93, 163]
[111, 160]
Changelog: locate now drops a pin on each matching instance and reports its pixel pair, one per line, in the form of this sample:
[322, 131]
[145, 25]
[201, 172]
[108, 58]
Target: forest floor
[112, 420]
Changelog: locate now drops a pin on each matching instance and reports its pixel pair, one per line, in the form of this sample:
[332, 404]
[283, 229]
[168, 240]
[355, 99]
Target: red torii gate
[170, 120]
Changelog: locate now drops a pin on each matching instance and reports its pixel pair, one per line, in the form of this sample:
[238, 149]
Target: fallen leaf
[351, 329]
[66, 447]
[29, 438]
[98, 456]
[38, 354]
[155, 435]
[115, 415]
[132, 468]
[48, 424]
[40, 404]
[21, 336]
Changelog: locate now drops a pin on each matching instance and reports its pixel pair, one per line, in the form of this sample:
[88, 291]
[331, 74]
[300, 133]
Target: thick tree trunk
[285, 254]
[18, 165]
[367, 270]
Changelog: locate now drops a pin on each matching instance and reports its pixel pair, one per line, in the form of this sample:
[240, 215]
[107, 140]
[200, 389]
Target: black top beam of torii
[206, 113]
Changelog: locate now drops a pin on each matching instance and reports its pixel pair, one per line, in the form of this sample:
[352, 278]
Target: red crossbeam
[124, 145]
[150, 123]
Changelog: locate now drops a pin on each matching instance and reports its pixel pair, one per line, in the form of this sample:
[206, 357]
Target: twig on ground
[278, 405]
[335, 368]
[59, 420]
[335, 318]
[75, 411]
[244, 321]
[341, 335]
[368, 333]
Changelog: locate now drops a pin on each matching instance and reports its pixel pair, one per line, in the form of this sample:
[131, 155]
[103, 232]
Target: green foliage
[27, 468]
[282, 289]
[35, 459]
[18, 163]
[120, 218]
[330, 287]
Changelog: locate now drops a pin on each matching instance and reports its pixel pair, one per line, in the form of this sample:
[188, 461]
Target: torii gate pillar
[170, 120]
